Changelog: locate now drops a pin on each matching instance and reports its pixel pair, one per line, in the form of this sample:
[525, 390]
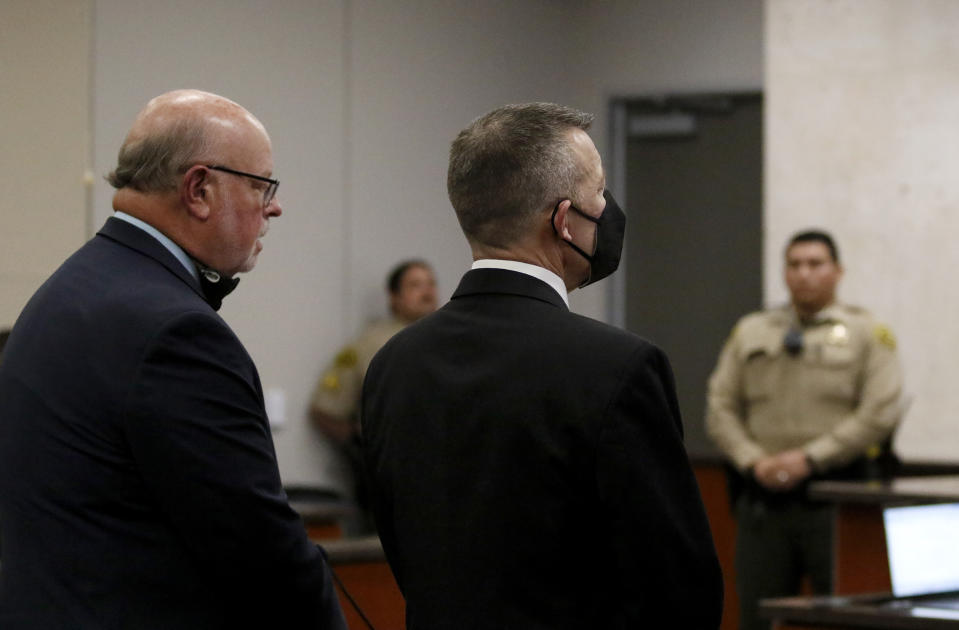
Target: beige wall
[861, 129]
[45, 140]
[362, 98]
[656, 47]
[284, 61]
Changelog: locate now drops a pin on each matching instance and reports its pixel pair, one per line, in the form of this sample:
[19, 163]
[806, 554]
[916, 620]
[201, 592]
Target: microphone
[793, 341]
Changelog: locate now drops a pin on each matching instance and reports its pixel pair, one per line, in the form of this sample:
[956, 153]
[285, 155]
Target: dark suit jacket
[138, 481]
[528, 470]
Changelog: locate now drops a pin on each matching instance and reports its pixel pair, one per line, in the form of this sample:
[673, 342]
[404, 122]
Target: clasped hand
[783, 471]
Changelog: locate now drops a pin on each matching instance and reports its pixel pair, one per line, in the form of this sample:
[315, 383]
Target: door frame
[618, 110]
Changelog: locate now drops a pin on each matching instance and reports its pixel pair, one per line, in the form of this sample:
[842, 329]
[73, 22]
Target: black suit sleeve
[199, 436]
[380, 498]
[668, 570]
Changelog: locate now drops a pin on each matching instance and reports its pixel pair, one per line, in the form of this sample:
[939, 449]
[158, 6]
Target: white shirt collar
[175, 249]
[541, 273]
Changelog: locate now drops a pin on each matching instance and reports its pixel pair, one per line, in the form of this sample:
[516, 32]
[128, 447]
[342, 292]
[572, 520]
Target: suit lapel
[136, 239]
[503, 281]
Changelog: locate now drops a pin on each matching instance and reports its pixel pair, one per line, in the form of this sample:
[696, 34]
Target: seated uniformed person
[334, 409]
[806, 390]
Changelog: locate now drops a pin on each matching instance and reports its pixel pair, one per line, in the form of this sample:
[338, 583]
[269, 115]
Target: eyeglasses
[268, 193]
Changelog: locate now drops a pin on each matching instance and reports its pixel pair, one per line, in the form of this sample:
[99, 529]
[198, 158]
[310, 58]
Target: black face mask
[610, 230]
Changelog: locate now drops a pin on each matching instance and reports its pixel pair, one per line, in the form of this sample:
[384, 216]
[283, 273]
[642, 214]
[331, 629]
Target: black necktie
[215, 285]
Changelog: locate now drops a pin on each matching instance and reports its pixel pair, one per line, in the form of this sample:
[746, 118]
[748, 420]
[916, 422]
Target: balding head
[174, 131]
[197, 167]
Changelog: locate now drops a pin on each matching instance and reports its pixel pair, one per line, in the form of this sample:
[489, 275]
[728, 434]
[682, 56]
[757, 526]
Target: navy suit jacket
[138, 481]
[528, 470]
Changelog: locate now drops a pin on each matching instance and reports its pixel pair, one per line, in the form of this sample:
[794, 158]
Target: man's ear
[560, 220]
[195, 192]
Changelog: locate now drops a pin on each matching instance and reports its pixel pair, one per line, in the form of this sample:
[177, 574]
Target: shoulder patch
[331, 382]
[884, 336]
[346, 358]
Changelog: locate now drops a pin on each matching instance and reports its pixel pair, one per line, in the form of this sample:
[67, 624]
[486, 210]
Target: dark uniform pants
[776, 545]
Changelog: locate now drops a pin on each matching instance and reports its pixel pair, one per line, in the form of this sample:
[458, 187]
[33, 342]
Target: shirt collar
[536, 271]
[830, 313]
[174, 249]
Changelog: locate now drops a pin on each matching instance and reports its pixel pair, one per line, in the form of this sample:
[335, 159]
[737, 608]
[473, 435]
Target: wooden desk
[863, 611]
[361, 566]
[900, 491]
[323, 519]
[862, 565]
[358, 562]
[714, 490]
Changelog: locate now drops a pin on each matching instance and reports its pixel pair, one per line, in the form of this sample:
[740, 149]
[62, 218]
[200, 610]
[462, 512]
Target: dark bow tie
[215, 285]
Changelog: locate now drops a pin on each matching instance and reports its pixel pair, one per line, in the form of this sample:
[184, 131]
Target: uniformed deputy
[334, 408]
[808, 390]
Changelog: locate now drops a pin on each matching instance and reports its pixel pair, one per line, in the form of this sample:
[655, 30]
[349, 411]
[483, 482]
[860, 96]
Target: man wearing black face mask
[541, 429]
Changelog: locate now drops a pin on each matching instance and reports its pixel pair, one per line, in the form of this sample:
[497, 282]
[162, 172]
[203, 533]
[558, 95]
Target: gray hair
[155, 161]
[508, 166]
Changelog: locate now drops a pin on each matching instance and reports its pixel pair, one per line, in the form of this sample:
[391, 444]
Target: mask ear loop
[552, 222]
[588, 257]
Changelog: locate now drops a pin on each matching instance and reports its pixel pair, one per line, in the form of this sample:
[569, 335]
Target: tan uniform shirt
[835, 399]
[337, 394]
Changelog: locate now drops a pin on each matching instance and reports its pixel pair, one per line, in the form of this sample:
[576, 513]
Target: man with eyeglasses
[809, 390]
[139, 486]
